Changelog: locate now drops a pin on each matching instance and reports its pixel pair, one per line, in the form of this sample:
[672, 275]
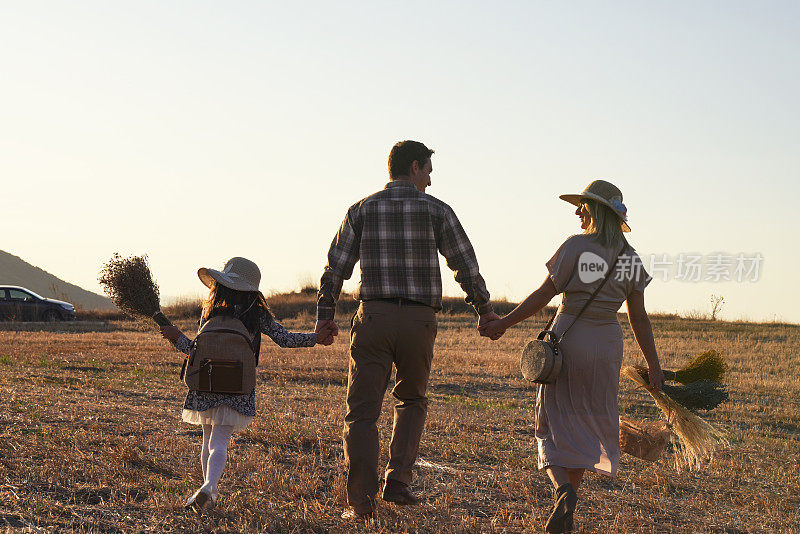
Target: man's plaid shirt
[396, 233]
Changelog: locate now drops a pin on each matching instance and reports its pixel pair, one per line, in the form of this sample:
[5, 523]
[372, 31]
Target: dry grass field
[92, 439]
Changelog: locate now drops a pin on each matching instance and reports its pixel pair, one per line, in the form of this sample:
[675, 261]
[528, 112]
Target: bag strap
[591, 298]
[257, 350]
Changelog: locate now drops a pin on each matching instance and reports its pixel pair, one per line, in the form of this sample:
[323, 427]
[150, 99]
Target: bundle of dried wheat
[697, 439]
[702, 387]
[708, 365]
[130, 286]
[698, 395]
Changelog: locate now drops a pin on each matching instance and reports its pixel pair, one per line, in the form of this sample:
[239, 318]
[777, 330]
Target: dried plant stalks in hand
[130, 286]
[708, 365]
[697, 439]
[698, 395]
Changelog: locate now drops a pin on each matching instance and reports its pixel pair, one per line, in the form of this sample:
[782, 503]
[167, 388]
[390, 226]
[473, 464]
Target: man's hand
[172, 333]
[326, 331]
[325, 335]
[483, 323]
[493, 330]
[324, 339]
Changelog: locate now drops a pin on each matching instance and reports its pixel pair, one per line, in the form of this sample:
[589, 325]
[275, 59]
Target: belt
[589, 313]
[400, 301]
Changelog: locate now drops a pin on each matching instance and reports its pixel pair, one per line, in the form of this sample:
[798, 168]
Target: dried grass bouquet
[130, 286]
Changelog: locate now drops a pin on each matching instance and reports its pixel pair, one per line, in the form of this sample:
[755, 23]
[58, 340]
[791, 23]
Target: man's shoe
[398, 493]
[561, 518]
[351, 514]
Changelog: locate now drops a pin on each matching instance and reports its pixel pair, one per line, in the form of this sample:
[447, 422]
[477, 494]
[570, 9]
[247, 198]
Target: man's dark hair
[404, 154]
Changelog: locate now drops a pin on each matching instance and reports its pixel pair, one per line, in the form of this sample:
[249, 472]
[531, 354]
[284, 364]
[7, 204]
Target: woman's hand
[537, 300]
[172, 333]
[493, 329]
[656, 376]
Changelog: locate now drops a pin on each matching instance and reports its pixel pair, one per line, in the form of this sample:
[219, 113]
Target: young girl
[234, 292]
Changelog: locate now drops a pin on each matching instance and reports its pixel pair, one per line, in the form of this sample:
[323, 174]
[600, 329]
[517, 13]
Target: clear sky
[196, 131]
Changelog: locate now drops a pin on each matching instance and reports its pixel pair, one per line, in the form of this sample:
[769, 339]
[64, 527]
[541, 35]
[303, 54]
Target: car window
[16, 294]
[3, 294]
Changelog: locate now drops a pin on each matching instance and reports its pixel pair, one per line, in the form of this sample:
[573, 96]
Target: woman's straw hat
[240, 274]
[605, 193]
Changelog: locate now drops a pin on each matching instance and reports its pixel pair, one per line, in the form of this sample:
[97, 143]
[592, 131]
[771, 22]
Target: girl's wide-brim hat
[240, 274]
[605, 193]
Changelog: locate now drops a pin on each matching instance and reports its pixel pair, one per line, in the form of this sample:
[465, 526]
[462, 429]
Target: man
[396, 234]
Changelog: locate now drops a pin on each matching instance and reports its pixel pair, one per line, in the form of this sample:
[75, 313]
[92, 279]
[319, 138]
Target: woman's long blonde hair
[604, 224]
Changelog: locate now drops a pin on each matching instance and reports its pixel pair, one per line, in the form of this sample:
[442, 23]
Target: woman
[577, 416]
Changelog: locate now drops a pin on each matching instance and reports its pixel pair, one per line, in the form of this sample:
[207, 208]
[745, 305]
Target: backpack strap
[257, 343]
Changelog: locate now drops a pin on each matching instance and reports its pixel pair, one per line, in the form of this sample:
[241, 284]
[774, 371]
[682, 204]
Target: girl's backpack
[223, 358]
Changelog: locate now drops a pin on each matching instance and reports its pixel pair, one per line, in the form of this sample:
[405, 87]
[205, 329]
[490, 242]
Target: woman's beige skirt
[577, 417]
[218, 415]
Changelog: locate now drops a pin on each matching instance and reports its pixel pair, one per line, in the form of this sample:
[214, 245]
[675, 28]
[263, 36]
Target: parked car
[20, 304]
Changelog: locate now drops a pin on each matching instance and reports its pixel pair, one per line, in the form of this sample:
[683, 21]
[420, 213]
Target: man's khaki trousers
[386, 333]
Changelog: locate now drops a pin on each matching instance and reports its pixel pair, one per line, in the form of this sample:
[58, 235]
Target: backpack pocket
[220, 376]
[222, 359]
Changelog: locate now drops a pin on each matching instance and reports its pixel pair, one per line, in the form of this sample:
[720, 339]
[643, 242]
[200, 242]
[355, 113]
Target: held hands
[493, 330]
[490, 325]
[326, 331]
[171, 333]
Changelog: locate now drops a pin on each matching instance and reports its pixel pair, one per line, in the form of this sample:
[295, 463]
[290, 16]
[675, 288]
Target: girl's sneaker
[201, 500]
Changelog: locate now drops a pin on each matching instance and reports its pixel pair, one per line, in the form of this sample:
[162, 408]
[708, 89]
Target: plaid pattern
[397, 234]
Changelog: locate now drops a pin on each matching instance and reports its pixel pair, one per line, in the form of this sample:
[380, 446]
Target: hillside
[18, 272]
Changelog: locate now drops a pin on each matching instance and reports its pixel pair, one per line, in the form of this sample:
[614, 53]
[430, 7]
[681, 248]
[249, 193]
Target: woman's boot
[561, 518]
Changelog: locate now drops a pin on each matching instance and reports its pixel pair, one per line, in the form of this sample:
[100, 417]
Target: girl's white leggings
[214, 455]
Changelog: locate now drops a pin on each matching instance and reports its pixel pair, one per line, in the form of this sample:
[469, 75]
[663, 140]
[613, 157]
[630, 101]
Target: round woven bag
[541, 359]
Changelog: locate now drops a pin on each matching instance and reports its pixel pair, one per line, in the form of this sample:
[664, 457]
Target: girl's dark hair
[248, 306]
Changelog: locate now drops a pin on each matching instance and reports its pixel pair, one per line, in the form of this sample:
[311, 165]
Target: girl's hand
[656, 376]
[325, 334]
[326, 331]
[327, 340]
[172, 333]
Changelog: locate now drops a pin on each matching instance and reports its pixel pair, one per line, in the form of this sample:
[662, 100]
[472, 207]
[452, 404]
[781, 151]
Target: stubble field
[92, 439]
